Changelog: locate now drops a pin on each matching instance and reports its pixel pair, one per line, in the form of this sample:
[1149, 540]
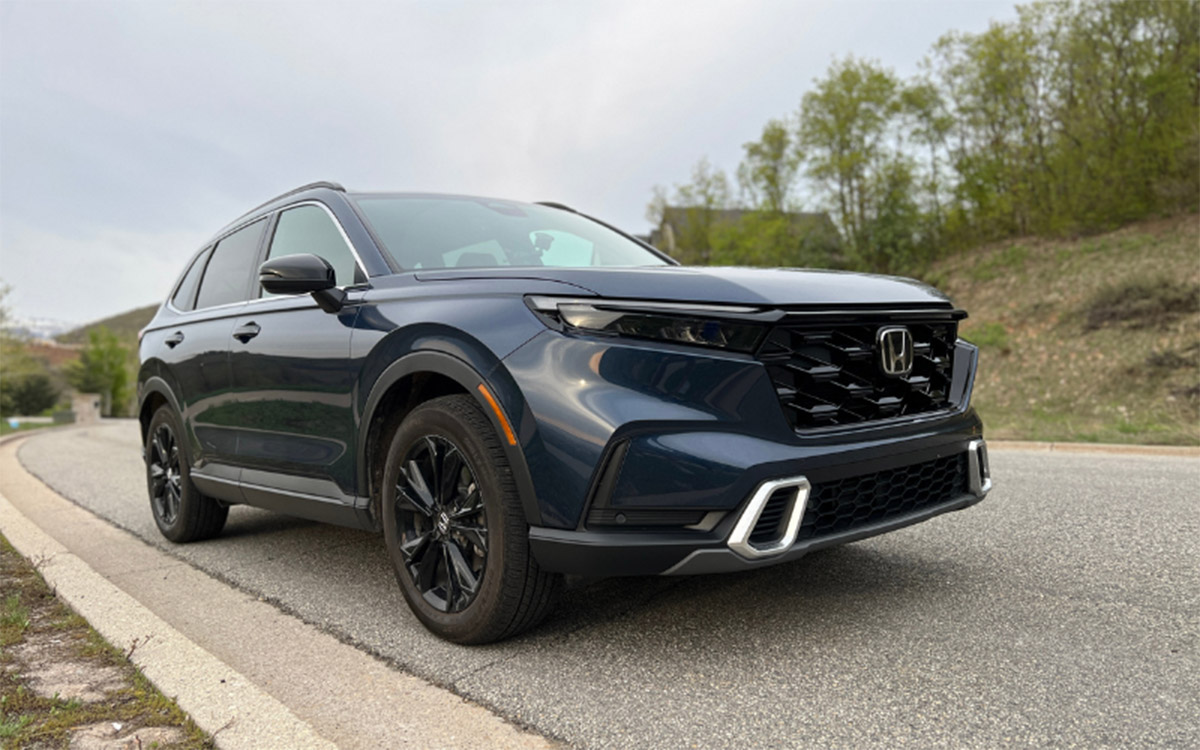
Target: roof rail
[301, 189]
[554, 204]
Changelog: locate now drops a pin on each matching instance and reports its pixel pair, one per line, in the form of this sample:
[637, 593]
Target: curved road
[1063, 610]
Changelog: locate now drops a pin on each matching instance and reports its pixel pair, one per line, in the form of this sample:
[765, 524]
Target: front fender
[453, 355]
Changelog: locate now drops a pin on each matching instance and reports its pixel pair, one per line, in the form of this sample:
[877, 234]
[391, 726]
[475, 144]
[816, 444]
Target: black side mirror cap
[297, 274]
[304, 273]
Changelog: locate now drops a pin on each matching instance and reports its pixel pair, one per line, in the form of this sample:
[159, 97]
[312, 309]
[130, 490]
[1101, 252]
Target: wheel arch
[155, 392]
[414, 379]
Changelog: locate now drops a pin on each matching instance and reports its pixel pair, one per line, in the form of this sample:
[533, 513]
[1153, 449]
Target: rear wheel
[180, 511]
[455, 529]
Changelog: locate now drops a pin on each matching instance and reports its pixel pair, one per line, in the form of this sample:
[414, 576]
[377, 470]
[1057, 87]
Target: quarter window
[227, 278]
[185, 296]
[309, 229]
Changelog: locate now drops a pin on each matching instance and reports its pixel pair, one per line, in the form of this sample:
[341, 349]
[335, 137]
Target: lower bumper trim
[641, 554]
[705, 561]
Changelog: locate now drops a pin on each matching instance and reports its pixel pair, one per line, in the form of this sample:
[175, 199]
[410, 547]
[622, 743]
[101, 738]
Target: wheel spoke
[159, 450]
[415, 548]
[426, 567]
[463, 582]
[452, 466]
[435, 471]
[453, 589]
[420, 499]
[471, 504]
[475, 535]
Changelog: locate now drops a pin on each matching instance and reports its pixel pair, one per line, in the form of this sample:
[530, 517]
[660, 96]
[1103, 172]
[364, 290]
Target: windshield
[423, 232]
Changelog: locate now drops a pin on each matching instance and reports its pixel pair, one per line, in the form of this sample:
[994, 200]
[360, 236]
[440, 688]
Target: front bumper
[801, 508]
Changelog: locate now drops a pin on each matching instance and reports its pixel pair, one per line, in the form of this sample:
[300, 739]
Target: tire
[460, 551]
[180, 511]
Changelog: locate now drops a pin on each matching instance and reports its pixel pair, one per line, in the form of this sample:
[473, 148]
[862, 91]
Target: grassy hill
[1091, 339]
[126, 326]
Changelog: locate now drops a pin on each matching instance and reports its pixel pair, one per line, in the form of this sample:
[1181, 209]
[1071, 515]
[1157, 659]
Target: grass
[29, 720]
[1094, 339]
[7, 429]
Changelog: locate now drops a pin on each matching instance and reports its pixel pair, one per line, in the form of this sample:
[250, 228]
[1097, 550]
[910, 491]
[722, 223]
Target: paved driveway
[1063, 610]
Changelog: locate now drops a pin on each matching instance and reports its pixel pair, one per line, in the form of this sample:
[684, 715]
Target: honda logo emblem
[895, 346]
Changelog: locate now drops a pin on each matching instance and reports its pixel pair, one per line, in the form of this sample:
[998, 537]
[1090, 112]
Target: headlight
[658, 321]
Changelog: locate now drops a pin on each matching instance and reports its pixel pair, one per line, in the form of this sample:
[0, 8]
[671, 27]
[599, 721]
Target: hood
[766, 287]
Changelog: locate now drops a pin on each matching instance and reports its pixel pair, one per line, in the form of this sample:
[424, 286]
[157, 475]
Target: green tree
[702, 199]
[1077, 116]
[849, 130]
[769, 168]
[103, 368]
[31, 394]
[15, 363]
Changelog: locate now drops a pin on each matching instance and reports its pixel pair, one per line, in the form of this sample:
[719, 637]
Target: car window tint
[423, 232]
[309, 229]
[563, 248]
[227, 277]
[185, 296]
[480, 254]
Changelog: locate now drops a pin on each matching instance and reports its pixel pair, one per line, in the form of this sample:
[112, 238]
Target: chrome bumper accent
[739, 538]
[978, 470]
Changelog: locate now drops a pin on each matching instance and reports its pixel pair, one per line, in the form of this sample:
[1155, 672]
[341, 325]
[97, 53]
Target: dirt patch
[44, 659]
[113, 735]
[64, 686]
[1140, 303]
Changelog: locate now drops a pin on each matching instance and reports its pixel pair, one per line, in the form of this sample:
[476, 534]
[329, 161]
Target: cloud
[137, 121]
[111, 270]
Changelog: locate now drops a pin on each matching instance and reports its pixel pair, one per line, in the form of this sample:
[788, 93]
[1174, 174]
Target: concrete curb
[219, 699]
[1185, 451]
[253, 675]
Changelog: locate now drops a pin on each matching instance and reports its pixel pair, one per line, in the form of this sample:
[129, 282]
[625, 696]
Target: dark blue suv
[513, 391]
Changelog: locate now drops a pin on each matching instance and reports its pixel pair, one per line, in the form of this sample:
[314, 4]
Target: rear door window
[310, 229]
[227, 278]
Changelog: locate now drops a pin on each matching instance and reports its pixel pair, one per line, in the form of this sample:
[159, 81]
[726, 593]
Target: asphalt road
[1062, 611]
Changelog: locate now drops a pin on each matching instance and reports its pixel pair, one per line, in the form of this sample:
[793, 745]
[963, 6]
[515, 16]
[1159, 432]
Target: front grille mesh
[829, 374]
[854, 502]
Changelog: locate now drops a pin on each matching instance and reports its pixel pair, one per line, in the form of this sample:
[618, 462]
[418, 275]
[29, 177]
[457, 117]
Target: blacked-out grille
[850, 503]
[829, 374]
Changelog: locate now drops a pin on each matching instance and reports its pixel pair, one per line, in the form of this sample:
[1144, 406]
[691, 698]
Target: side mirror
[303, 274]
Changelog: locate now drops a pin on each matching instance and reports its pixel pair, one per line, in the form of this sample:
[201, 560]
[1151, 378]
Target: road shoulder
[243, 670]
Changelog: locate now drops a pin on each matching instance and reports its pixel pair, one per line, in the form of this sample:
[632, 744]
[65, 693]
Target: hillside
[126, 326]
[1091, 339]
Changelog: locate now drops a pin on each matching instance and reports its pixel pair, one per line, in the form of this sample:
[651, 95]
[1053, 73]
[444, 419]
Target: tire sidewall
[187, 495]
[428, 419]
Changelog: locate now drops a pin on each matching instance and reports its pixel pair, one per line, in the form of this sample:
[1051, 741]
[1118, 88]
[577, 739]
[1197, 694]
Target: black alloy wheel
[455, 527]
[166, 481]
[442, 522]
[181, 512]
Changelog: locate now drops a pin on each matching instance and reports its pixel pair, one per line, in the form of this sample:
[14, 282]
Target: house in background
[693, 235]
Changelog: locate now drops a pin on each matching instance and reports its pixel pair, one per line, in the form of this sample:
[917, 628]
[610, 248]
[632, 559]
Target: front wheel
[455, 529]
[180, 511]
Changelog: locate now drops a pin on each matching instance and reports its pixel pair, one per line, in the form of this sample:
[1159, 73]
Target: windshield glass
[423, 232]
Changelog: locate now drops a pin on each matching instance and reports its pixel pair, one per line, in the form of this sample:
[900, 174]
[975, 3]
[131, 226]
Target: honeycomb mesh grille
[828, 375]
[850, 503]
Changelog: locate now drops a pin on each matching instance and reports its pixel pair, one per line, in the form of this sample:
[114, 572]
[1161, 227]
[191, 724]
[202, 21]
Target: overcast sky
[130, 131]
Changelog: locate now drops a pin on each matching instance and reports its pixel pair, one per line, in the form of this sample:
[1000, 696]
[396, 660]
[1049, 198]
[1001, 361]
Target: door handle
[175, 339]
[244, 333]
